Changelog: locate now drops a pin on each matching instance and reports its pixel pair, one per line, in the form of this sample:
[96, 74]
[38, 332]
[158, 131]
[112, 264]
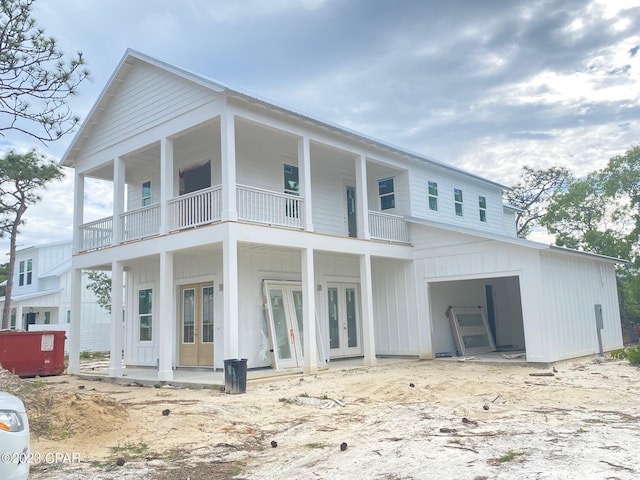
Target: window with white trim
[25, 274]
[457, 201]
[146, 194]
[433, 195]
[145, 315]
[387, 194]
[482, 208]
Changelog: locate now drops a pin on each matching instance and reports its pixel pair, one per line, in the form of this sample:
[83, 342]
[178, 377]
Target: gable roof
[131, 56]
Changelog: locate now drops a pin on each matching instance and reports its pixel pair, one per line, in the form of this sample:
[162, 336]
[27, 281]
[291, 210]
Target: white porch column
[362, 204]
[166, 181]
[228, 160]
[74, 327]
[115, 364]
[231, 329]
[78, 210]
[166, 315]
[118, 197]
[304, 163]
[368, 327]
[310, 365]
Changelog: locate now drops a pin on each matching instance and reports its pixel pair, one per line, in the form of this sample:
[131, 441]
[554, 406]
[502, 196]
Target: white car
[14, 438]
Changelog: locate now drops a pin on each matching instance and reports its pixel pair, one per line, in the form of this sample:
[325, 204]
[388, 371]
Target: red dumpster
[28, 354]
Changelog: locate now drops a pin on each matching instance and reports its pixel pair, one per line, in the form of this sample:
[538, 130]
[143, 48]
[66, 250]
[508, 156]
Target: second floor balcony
[204, 207]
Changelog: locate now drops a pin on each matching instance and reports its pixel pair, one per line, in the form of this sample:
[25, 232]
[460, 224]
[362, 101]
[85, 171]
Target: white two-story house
[41, 296]
[244, 229]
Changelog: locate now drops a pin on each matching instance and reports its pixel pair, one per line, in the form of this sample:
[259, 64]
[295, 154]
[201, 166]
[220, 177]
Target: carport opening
[498, 297]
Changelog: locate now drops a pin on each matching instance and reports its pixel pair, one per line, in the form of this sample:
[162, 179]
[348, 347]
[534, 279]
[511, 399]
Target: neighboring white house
[245, 229]
[41, 296]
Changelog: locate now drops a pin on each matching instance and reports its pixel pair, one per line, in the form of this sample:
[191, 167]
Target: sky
[486, 86]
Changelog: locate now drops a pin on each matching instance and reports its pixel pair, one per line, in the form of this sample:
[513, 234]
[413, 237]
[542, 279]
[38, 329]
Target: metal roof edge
[523, 242]
[588, 254]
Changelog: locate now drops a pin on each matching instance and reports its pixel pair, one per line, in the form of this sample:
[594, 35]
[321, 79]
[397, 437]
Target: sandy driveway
[408, 420]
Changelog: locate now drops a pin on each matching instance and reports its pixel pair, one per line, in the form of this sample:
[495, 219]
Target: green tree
[531, 195]
[100, 284]
[21, 178]
[586, 217]
[36, 81]
[601, 214]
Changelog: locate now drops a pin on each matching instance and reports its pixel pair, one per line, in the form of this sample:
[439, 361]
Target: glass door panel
[352, 318]
[297, 304]
[280, 324]
[188, 315]
[207, 315]
[334, 320]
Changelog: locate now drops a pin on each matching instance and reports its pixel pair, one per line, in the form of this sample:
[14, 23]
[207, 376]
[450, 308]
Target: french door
[344, 320]
[196, 324]
[284, 302]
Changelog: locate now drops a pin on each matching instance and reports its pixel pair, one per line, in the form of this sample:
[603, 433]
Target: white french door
[284, 303]
[344, 319]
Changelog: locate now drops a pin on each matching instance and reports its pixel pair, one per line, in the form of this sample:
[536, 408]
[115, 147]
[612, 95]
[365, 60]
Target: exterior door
[352, 222]
[344, 320]
[196, 325]
[286, 324]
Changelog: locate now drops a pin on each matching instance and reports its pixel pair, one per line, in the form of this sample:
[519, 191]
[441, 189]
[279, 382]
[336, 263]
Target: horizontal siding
[146, 97]
[471, 190]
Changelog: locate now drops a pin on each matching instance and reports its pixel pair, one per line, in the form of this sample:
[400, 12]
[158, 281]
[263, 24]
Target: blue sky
[487, 86]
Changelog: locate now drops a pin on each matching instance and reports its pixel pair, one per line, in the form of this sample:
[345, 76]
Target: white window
[386, 193]
[291, 187]
[145, 314]
[146, 194]
[482, 206]
[457, 201]
[291, 180]
[25, 272]
[433, 196]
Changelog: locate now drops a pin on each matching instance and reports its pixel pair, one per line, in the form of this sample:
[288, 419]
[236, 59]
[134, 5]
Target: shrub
[633, 355]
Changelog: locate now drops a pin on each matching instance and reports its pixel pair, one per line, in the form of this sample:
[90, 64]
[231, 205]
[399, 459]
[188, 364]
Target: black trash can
[235, 375]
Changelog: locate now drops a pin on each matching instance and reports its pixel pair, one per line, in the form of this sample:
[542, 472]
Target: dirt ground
[407, 420]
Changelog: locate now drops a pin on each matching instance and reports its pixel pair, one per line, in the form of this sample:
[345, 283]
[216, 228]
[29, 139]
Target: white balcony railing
[392, 228]
[140, 223]
[273, 208]
[197, 208]
[96, 234]
[204, 207]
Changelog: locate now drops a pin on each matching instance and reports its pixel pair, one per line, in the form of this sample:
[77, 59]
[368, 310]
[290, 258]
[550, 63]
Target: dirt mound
[56, 413]
[74, 414]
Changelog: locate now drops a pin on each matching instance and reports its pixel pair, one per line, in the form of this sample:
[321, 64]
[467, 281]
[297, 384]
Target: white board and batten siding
[396, 322]
[394, 304]
[558, 289]
[568, 314]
